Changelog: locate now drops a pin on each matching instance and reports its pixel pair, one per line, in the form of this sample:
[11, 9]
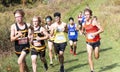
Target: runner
[81, 20]
[72, 35]
[19, 35]
[48, 20]
[58, 30]
[37, 43]
[92, 31]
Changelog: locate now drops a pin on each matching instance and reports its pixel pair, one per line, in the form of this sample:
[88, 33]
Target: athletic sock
[62, 68]
[45, 66]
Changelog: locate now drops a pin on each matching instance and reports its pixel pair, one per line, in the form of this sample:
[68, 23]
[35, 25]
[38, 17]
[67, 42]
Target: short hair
[88, 10]
[71, 18]
[20, 11]
[57, 14]
[39, 18]
[48, 18]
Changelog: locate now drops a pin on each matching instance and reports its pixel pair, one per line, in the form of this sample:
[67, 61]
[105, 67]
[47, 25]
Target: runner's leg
[89, 51]
[96, 52]
[21, 61]
[75, 47]
[34, 65]
[71, 46]
[50, 45]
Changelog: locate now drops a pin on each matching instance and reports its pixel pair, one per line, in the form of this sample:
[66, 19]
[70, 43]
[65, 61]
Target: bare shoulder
[64, 24]
[28, 24]
[53, 25]
[13, 26]
[43, 29]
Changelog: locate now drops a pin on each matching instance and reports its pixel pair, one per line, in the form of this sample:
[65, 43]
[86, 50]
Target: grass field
[109, 17]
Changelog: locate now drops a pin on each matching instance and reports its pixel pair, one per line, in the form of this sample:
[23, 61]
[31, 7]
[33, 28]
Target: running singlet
[59, 35]
[38, 44]
[91, 29]
[22, 40]
[72, 32]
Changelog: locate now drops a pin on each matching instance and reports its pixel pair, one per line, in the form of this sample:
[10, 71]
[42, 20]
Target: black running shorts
[60, 47]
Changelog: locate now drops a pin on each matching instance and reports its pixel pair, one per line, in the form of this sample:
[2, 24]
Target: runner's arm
[13, 37]
[65, 28]
[100, 28]
[52, 30]
[77, 27]
[83, 30]
[44, 32]
[30, 34]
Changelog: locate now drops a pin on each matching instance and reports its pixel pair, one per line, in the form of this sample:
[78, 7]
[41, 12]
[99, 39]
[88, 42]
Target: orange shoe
[75, 54]
[71, 51]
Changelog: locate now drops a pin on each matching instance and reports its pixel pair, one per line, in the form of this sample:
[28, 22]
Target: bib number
[90, 36]
[23, 40]
[72, 33]
[60, 37]
[36, 43]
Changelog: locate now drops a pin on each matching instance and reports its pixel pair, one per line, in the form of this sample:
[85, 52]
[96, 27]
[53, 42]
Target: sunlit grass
[109, 17]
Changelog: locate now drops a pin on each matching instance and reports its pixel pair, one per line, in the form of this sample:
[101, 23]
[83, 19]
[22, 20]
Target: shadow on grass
[102, 50]
[68, 61]
[75, 67]
[109, 67]
[81, 52]
[105, 49]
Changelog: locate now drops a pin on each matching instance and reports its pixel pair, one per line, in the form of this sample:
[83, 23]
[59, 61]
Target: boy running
[72, 35]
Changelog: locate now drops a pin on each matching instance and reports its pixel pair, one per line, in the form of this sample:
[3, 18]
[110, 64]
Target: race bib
[60, 37]
[36, 43]
[90, 36]
[72, 33]
[23, 40]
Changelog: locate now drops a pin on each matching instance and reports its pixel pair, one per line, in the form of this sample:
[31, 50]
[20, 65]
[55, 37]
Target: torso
[24, 38]
[91, 28]
[72, 32]
[60, 35]
[37, 32]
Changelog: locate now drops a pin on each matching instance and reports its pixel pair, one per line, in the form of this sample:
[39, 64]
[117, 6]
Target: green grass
[110, 47]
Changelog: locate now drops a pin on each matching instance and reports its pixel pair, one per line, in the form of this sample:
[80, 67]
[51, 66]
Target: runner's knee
[97, 56]
[20, 61]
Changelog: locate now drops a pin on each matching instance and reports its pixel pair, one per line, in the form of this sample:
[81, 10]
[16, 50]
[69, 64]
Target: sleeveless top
[22, 40]
[59, 36]
[38, 44]
[72, 32]
[91, 29]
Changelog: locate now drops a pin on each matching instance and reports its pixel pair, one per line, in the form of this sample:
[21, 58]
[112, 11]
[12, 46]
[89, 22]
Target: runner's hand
[19, 33]
[38, 38]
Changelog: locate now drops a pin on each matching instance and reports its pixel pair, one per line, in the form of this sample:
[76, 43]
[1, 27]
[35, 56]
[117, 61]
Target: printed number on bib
[36, 43]
[90, 36]
[23, 40]
[60, 37]
[72, 33]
